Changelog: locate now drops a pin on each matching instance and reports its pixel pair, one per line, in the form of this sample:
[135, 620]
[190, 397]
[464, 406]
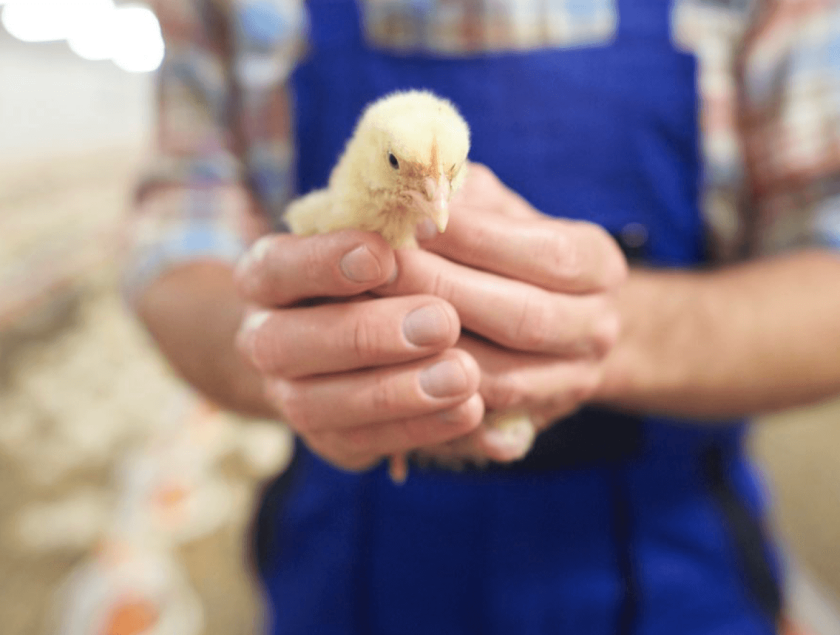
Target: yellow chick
[405, 160]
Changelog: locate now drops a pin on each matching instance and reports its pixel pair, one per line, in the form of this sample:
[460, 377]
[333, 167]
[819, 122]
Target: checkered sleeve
[222, 162]
[791, 126]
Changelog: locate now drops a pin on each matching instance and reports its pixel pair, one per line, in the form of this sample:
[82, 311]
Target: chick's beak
[438, 193]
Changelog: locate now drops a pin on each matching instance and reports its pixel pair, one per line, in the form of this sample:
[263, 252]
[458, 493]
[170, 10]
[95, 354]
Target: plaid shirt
[769, 87]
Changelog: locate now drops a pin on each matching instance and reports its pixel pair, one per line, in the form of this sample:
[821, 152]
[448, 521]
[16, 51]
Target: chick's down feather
[407, 156]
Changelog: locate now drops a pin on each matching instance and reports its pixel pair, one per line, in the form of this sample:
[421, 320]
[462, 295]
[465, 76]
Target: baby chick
[405, 160]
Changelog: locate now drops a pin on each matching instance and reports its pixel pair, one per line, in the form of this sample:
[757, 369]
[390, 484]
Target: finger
[483, 190]
[282, 269]
[457, 453]
[556, 254]
[374, 396]
[484, 443]
[333, 338]
[511, 380]
[356, 446]
[511, 313]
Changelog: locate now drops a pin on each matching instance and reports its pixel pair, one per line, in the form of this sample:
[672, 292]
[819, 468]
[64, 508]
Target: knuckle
[267, 352]
[383, 394]
[480, 175]
[366, 340]
[313, 259]
[293, 403]
[572, 263]
[505, 392]
[606, 329]
[478, 242]
[471, 368]
[584, 389]
[533, 327]
[453, 321]
[617, 270]
[471, 414]
[441, 286]
[614, 268]
[562, 255]
[477, 410]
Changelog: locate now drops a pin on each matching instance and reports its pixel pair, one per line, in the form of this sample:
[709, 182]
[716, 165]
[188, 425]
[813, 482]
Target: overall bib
[613, 524]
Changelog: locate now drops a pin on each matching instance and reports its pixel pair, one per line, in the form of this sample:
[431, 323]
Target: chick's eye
[393, 161]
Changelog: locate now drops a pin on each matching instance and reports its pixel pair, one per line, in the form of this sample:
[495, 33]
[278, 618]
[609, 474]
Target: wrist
[650, 363]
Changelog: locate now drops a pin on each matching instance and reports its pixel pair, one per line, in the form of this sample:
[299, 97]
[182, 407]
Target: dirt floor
[124, 498]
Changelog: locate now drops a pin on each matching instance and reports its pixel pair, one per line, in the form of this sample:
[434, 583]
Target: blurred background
[124, 499]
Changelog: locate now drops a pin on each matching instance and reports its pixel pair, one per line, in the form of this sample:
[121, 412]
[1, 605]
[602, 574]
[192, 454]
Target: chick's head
[416, 145]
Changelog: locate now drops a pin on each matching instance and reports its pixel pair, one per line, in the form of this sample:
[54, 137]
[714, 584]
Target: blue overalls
[614, 524]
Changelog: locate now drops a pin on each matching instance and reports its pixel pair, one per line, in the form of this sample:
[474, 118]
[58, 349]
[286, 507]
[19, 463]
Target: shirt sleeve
[790, 122]
[221, 166]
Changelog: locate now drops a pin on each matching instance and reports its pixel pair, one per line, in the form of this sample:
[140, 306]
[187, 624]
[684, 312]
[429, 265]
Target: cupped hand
[536, 299]
[358, 378]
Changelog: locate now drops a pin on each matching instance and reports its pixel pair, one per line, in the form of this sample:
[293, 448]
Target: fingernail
[254, 255]
[426, 230]
[444, 379]
[359, 265]
[254, 321]
[244, 264]
[245, 337]
[259, 250]
[426, 325]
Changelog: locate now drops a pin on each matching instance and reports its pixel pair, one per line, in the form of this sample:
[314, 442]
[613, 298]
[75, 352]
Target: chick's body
[406, 158]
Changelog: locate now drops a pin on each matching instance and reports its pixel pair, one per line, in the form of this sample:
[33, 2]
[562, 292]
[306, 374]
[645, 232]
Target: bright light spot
[39, 20]
[92, 37]
[94, 29]
[138, 41]
[50, 20]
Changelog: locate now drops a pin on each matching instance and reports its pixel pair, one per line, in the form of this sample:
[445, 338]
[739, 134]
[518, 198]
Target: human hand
[536, 298]
[357, 378]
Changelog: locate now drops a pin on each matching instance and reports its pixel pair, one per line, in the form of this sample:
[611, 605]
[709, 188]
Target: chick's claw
[398, 469]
